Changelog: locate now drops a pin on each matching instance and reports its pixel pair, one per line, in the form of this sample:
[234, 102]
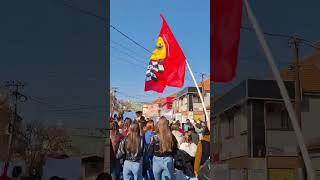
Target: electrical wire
[126, 48]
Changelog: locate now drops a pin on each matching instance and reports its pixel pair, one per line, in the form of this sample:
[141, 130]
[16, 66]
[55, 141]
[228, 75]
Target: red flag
[224, 38]
[167, 62]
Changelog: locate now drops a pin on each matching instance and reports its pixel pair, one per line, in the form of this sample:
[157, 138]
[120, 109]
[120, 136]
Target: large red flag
[224, 38]
[167, 62]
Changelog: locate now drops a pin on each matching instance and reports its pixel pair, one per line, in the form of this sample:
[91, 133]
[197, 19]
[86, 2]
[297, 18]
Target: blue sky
[140, 19]
[61, 54]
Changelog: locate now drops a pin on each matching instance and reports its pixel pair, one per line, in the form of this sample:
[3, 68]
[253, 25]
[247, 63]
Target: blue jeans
[132, 170]
[148, 167]
[181, 176]
[163, 168]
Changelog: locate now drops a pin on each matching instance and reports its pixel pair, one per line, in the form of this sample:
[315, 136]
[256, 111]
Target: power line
[268, 33]
[127, 54]
[135, 42]
[53, 107]
[124, 47]
[77, 109]
[130, 63]
[84, 11]
[105, 20]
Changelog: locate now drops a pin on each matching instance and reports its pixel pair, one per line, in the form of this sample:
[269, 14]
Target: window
[230, 126]
[285, 120]
[277, 117]
[196, 98]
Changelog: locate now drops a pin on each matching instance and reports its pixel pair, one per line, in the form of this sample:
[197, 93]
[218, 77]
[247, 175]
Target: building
[310, 104]
[87, 142]
[166, 106]
[187, 104]
[152, 110]
[252, 133]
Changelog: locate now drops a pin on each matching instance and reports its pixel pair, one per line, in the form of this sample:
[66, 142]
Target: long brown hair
[133, 139]
[164, 135]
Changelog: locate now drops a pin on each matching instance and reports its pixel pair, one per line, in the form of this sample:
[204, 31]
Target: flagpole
[283, 91]
[201, 98]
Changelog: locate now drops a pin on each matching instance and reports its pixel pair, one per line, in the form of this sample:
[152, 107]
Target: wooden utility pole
[202, 83]
[296, 42]
[203, 91]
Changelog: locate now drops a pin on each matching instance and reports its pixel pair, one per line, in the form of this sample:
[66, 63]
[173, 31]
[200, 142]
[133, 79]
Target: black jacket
[154, 147]
[125, 154]
[184, 162]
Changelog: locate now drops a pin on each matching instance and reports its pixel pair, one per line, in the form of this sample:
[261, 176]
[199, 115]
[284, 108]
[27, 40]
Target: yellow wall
[281, 174]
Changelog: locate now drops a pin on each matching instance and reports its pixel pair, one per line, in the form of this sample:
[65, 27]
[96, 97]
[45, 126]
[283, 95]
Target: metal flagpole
[201, 98]
[283, 91]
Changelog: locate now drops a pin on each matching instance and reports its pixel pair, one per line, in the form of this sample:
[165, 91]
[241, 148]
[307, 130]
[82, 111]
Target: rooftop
[206, 84]
[309, 73]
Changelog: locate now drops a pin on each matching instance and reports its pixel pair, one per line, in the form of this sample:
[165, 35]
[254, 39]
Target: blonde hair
[164, 135]
[133, 139]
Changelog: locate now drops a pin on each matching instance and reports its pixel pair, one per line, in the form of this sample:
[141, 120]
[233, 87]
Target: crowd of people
[161, 150]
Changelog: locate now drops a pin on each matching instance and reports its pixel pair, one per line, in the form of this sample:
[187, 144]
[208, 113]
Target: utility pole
[17, 85]
[114, 99]
[202, 83]
[296, 43]
[203, 91]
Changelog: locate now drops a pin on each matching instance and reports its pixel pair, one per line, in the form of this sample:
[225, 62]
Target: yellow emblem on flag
[160, 52]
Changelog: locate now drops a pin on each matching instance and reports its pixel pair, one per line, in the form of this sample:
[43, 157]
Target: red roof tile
[309, 73]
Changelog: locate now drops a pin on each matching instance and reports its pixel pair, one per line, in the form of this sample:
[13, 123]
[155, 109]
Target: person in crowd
[149, 132]
[184, 164]
[142, 118]
[114, 117]
[187, 125]
[115, 138]
[179, 127]
[163, 146]
[185, 158]
[203, 151]
[147, 157]
[118, 119]
[172, 121]
[138, 115]
[132, 149]
[177, 134]
[104, 176]
[199, 129]
[142, 125]
[188, 146]
[121, 126]
[194, 135]
[126, 126]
